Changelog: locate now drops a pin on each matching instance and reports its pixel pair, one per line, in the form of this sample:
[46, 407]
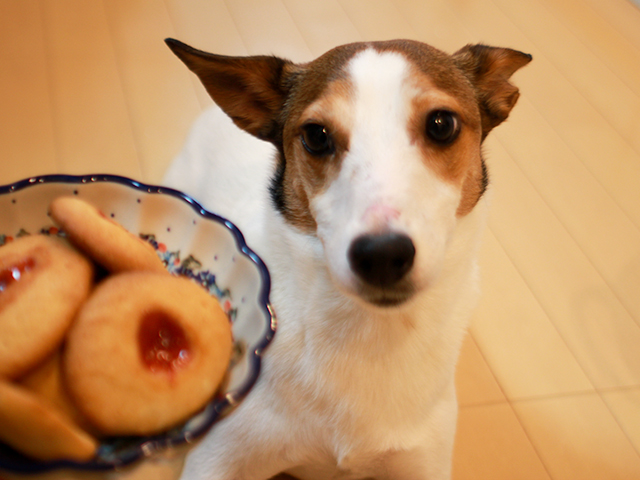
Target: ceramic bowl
[192, 242]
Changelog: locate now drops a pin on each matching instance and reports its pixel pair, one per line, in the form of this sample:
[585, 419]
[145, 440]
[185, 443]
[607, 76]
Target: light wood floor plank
[607, 237]
[606, 42]
[323, 25]
[573, 448]
[475, 383]
[616, 102]
[623, 15]
[520, 343]
[92, 124]
[385, 22]
[160, 98]
[266, 28]
[436, 24]
[595, 325]
[27, 143]
[625, 405]
[491, 444]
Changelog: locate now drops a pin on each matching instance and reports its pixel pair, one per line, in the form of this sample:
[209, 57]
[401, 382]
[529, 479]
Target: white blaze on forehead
[380, 85]
[371, 71]
[380, 150]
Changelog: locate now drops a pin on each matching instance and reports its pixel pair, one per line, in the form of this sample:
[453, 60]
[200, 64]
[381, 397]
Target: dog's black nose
[381, 260]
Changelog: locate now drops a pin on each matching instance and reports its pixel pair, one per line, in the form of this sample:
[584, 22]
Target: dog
[359, 179]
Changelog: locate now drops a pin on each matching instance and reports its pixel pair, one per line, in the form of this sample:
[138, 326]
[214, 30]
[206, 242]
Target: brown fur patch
[313, 174]
[459, 163]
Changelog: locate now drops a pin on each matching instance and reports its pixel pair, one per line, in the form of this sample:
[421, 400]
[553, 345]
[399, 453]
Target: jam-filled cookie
[43, 282]
[145, 353]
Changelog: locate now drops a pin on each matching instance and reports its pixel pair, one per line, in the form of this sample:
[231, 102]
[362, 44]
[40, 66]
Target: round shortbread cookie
[45, 381]
[35, 428]
[105, 241]
[146, 352]
[42, 284]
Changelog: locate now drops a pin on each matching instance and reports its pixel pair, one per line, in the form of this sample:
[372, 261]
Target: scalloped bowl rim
[216, 407]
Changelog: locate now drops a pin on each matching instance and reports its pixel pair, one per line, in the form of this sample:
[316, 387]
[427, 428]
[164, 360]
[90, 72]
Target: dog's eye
[443, 126]
[317, 139]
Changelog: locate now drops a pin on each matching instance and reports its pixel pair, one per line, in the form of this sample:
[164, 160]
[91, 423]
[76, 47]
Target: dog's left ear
[489, 69]
[251, 90]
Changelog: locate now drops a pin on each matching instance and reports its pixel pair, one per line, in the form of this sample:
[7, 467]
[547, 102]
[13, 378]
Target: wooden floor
[549, 379]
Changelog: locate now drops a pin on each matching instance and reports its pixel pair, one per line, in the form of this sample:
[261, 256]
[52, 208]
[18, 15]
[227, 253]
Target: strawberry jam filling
[13, 274]
[163, 344]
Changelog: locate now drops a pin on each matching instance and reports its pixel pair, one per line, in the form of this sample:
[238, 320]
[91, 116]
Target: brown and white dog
[361, 186]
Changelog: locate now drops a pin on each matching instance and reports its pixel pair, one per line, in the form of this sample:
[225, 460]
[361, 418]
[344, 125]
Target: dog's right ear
[251, 90]
[489, 69]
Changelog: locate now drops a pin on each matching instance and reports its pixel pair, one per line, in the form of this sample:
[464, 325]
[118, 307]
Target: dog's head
[379, 148]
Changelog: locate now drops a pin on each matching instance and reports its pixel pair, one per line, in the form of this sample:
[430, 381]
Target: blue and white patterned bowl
[192, 242]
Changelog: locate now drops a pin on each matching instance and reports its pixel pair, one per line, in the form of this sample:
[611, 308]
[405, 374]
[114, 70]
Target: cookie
[105, 241]
[45, 381]
[35, 428]
[146, 352]
[43, 282]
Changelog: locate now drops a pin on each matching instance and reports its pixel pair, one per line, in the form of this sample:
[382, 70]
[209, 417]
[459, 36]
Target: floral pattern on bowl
[191, 242]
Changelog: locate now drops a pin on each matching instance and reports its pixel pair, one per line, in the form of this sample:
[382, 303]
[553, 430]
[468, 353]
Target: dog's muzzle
[382, 262]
